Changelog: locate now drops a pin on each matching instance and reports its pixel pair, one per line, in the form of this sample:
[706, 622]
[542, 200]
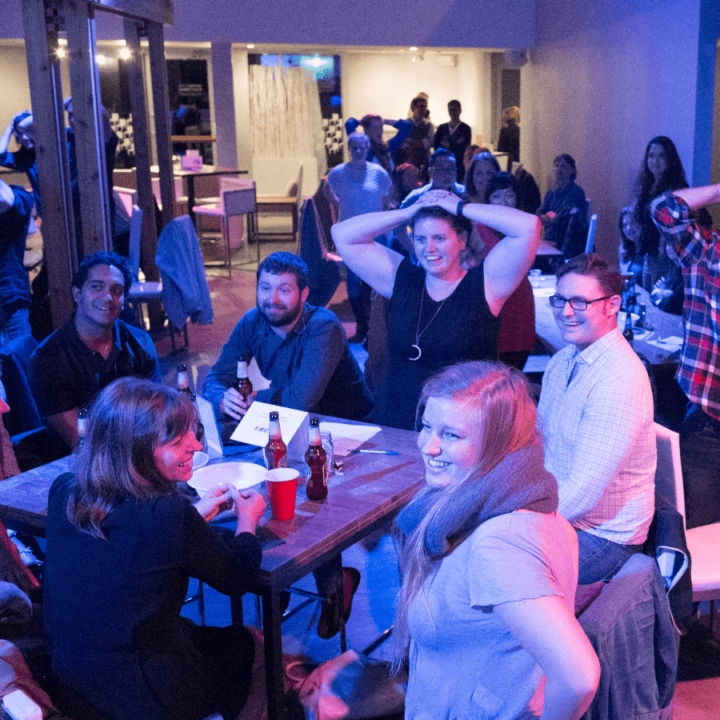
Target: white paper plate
[242, 475]
[200, 459]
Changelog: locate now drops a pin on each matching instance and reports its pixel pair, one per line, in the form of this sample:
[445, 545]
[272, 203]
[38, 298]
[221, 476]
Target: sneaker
[329, 622]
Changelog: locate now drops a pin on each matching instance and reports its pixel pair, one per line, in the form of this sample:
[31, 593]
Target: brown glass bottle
[244, 386]
[183, 382]
[316, 458]
[628, 333]
[275, 450]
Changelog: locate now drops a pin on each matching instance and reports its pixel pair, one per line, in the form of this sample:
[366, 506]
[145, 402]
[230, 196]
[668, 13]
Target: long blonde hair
[505, 420]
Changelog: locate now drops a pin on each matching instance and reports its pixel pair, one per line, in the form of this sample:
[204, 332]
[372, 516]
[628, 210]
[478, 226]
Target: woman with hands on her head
[121, 545]
[440, 312]
[489, 565]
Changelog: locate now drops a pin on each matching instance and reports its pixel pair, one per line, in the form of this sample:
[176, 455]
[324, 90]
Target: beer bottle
[244, 386]
[628, 333]
[183, 382]
[275, 450]
[183, 386]
[316, 458]
[81, 425]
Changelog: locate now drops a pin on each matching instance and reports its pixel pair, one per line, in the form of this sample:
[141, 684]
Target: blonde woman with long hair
[489, 566]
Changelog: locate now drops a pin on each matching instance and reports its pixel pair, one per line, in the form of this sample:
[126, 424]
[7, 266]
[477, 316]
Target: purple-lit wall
[602, 82]
[453, 23]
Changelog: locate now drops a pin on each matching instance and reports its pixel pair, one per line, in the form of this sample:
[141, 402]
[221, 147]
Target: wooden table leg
[191, 198]
[274, 671]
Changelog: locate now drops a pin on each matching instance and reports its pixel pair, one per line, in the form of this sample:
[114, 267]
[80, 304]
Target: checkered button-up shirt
[698, 250]
[599, 438]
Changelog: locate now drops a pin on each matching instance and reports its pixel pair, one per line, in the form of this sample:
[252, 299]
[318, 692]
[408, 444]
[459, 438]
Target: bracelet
[460, 206]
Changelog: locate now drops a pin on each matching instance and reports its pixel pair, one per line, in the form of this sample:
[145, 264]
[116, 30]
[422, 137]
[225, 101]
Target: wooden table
[371, 491]
[663, 325]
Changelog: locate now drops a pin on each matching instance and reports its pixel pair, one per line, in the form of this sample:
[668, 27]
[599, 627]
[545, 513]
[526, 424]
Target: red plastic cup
[282, 488]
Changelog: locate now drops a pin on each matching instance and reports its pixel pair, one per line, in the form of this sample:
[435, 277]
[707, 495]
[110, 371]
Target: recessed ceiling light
[413, 49]
[250, 46]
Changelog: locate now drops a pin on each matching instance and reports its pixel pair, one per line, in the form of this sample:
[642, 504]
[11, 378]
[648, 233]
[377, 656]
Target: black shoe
[329, 623]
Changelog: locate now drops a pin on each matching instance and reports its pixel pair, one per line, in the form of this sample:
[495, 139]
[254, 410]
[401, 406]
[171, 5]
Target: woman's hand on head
[249, 507]
[215, 501]
[439, 198]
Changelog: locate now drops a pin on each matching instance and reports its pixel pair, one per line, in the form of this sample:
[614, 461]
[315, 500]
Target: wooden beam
[88, 127]
[161, 11]
[58, 228]
[161, 104]
[146, 200]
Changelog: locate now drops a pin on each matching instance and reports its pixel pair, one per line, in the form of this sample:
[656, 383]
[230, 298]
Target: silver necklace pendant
[419, 353]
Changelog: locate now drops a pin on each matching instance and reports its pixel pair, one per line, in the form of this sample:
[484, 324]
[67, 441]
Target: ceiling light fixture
[251, 46]
[413, 49]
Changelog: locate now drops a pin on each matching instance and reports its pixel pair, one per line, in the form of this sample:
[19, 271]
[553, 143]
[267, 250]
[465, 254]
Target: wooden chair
[275, 205]
[144, 292]
[237, 199]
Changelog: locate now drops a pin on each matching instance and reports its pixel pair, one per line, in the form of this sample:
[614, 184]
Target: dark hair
[417, 100]
[501, 181]
[455, 102]
[592, 265]
[440, 154]
[405, 166]
[19, 118]
[470, 174]
[628, 246]
[570, 160]
[102, 258]
[130, 419]
[279, 263]
[358, 137]
[367, 119]
[647, 188]
[458, 224]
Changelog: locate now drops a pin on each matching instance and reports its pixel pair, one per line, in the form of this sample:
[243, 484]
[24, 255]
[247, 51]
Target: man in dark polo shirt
[92, 349]
[15, 207]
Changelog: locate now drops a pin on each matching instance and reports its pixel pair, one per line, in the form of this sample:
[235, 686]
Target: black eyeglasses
[576, 303]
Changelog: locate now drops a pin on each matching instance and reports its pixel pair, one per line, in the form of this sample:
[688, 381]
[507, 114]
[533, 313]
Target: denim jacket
[631, 629]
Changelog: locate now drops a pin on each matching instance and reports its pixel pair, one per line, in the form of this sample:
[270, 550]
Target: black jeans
[700, 458]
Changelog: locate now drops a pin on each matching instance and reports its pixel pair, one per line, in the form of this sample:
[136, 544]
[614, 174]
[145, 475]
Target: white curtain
[285, 117]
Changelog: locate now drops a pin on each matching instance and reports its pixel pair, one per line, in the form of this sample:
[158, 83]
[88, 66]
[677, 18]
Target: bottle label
[242, 369]
[275, 459]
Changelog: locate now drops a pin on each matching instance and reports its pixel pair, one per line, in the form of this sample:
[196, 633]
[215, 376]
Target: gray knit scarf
[519, 481]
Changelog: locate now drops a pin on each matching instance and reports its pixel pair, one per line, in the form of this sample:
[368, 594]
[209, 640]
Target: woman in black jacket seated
[121, 544]
[661, 170]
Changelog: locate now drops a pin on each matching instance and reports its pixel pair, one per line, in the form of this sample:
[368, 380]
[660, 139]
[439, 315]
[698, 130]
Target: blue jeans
[700, 458]
[599, 558]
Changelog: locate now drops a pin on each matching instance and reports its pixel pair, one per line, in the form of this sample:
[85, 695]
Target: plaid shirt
[698, 250]
[599, 438]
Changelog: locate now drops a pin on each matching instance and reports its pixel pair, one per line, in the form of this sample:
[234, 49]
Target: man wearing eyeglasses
[596, 414]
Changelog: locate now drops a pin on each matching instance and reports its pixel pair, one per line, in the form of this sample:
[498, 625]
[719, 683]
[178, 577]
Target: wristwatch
[460, 206]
